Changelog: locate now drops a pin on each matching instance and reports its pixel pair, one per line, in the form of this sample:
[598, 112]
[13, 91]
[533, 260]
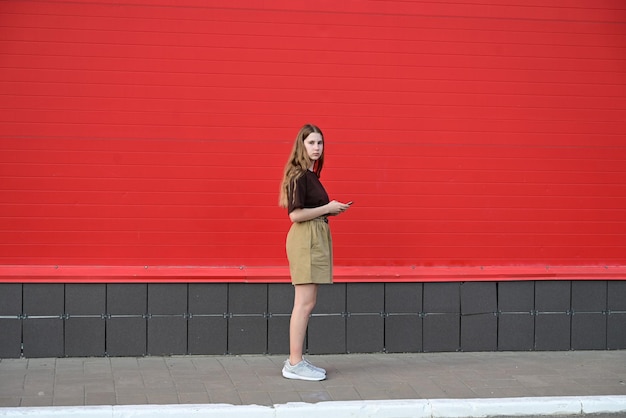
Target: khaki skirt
[310, 252]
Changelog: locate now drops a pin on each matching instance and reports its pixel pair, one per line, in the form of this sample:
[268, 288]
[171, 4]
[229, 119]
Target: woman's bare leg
[303, 304]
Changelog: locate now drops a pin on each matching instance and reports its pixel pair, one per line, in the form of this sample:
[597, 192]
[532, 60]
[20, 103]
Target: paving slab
[256, 379]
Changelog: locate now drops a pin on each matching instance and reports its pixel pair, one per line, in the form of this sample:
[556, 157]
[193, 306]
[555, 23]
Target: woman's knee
[305, 306]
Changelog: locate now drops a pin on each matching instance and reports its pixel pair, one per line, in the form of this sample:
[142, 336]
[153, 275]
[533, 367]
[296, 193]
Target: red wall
[153, 133]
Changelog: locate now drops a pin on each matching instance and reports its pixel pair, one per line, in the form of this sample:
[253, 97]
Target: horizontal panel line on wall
[553, 258]
[36, 97]
[175, 168]
[350, 221]
[104, 184]
[203, 240]
[466, 46]
[343, 236]
[430, 137]
[99, 116]
[338, 13]
[354, 235]
[372, 155]
[401, 51]
[367, 72]
[220, 93]
[456, 69]
[451, 245]
[369, 212]
[238, 217]
[190, 33]
[432, 182]
[345, 226]
[180, 12]
[136, 56]
[284, 81]
[439, 126]
[422, 203]
[504, 112]
[362, 29]
[171, 170]
[214, 74]
[149, 239]
[134, 149]
[539, 173]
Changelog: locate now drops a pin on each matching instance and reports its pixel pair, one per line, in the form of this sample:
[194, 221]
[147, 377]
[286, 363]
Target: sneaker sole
[289, 375]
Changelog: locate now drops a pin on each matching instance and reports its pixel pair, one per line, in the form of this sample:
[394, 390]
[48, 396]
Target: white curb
[458, 408]
[356, 409]
[421, 408]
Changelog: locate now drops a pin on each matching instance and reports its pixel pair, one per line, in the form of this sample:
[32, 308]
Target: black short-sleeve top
[309, 192]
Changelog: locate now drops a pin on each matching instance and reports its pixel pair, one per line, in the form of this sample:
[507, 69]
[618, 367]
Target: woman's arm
[306, 214]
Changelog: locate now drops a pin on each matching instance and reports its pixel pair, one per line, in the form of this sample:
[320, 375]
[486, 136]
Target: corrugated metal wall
[468, 134]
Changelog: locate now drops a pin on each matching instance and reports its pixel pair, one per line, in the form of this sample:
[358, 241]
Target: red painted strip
[244, 274]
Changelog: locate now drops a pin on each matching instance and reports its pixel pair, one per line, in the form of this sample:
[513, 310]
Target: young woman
[309, 243]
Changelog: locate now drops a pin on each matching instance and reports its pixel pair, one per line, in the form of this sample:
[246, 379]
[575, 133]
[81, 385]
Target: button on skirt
[310, 252]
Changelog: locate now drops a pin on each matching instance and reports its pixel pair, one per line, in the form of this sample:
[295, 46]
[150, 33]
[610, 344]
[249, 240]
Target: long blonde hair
[298, 163]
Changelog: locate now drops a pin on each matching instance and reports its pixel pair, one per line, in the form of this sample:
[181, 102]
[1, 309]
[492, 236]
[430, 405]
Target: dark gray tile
[167, 298]
[127, 298]
[126, 336]
[478, 297]
[589, 296]
[365, 297]
[327, 335]
[617, 295]
[280, 298]
[85, 337]
[403, 297]
[552, 331]
[403, 334]
[167, 335]
[247, 335]
[552, 296]
[441, 332]
[516, 296]
[85, 298]
[10, 299]
[331, 299]
[43, 299]
[10, 338]
[442, 298]
[365, 333]
[516, 332]
[479, 332]
[43, 337]
[278, 335]
[207, 335]
[208, 298]
[616, 331]
[246, 298]
[589, 331]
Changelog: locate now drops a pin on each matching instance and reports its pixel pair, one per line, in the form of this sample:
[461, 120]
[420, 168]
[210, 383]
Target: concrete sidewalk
[256, 380]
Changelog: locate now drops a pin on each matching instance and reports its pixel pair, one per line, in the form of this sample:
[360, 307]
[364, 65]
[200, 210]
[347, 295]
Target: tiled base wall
[75, 320]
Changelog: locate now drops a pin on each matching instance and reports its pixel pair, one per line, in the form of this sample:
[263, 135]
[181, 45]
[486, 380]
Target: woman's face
[314, 145]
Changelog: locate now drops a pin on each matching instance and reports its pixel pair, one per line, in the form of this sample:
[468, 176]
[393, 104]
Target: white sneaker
[315, 367]
[302, 371]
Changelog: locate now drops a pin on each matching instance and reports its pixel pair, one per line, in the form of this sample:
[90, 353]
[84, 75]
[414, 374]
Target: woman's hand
[335, 207]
